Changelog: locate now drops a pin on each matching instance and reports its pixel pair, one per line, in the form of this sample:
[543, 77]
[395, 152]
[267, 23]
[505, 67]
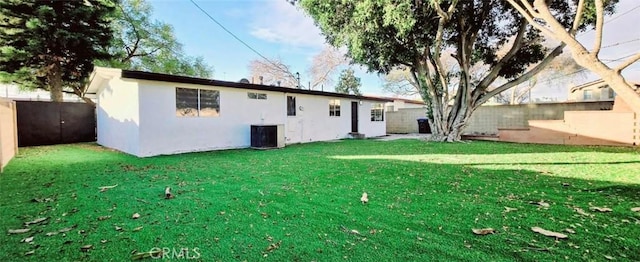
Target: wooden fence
[8, 132]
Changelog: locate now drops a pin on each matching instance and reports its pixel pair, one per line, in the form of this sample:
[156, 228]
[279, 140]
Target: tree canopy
[50, 44]
[348, 83]
[142, 43]
[422, 35]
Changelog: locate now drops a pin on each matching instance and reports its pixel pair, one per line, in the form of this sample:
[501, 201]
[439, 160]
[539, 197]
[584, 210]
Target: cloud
[282, 23]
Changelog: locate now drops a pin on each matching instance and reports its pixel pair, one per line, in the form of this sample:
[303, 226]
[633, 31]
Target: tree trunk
[54, 81]
[610, 76]
[451, 131]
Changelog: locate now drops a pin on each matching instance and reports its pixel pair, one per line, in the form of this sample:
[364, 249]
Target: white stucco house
[147, 114]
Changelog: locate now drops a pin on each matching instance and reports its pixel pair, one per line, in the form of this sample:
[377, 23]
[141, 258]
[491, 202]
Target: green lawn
[302, 203]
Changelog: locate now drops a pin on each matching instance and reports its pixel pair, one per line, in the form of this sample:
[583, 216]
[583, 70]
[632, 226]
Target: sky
[275, 28]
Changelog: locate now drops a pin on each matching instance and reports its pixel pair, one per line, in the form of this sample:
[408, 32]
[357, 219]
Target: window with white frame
[197, 102]
[334, 107]
[587, 95]
[377, 112]
[259, 96]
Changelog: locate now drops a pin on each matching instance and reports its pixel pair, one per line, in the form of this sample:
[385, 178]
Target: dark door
[50, 123]
[354, 117]
[77, 123]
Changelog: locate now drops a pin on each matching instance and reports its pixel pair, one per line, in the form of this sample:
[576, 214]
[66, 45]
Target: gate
[50, 123]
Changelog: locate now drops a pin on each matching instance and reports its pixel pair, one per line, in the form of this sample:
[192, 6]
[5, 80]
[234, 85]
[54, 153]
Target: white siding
[162, 132]
[118, 115]
[368, 127]
[139, 118]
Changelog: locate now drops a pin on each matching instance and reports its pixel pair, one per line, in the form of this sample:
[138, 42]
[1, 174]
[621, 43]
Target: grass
[300, 203]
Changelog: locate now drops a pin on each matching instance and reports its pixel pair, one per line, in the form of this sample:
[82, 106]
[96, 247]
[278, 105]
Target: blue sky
[277, 29]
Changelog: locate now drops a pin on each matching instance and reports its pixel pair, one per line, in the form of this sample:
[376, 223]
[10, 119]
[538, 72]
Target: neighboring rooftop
[596, 84]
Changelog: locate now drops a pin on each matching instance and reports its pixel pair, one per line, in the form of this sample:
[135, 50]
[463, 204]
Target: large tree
[50, 44]
[143, 43]
[348, 83]
[383, 34]
[324, 66]
[321, 71]
[272, 72]
[542, 16]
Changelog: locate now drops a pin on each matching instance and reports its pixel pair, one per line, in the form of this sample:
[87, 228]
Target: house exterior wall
[400, 104]
[162, 132]
[117, 115]
[597, 93]
[313, 122]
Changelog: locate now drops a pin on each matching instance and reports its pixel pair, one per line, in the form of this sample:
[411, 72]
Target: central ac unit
[267, 136]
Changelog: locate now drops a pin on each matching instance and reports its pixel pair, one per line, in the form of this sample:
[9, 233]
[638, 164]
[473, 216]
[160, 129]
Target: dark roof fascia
[210, 82]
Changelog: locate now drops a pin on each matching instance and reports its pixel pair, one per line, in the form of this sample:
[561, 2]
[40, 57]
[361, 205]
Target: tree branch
[529, 15]
[599, 23]
[517, 44]
[578, 19]
[524, 77]
[444, 17]
[627, 63]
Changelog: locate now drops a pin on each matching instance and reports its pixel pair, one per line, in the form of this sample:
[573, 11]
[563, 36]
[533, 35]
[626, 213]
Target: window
[197, 102]
[257, 96]
[587, 95]
[334, 107]
[612, 94]
[377, 112]
[291, 105]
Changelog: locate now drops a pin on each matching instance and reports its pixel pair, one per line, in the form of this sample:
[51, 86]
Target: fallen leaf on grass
[364, 198]
[29, 253]
[85, 248]
[66, 229]
[541, 203]
[609, 257]
[27, 240]
[581, 212]
[273, 246]
[509, 209]
[35, 221]
[42, 200]
[155, 253]
[19, 231]
[548, 233]
[373, 231]
[105, 188]
[118, 228]
[601, 209]
[137, 229]
[135, 216]
[483, 231]
[167, 193]
[103, 241]
[635, 209]
[569, 230]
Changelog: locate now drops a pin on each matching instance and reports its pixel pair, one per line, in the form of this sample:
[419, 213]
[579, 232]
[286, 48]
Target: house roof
[595, 84]
[406, 100]
[140, 75]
